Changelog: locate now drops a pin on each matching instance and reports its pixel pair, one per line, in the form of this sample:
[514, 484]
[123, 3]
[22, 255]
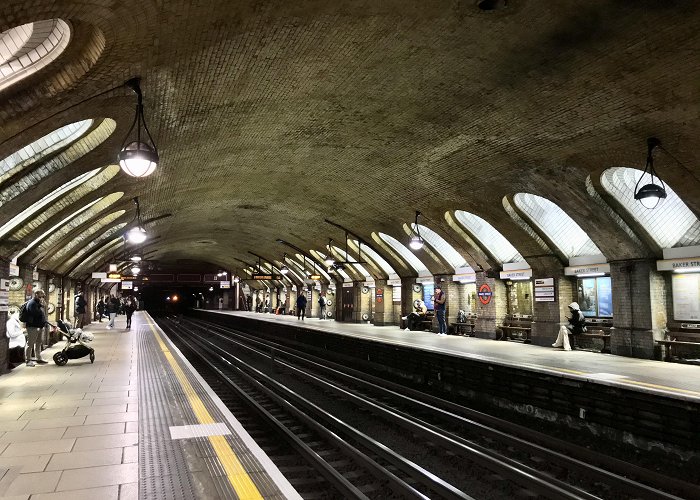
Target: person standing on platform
[112, 310]
[301, 306]
[36, 321]
[100, 309]
[129, 308]
[440, 299]
[80, 304]
[322, 306]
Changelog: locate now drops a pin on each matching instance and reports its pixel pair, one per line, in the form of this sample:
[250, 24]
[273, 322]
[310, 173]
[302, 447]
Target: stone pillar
[358, 302]
[639, 294]
[407, 295]
[313, 303]
[489, 315]
[548, 316]
[383, 304]
[4, 275]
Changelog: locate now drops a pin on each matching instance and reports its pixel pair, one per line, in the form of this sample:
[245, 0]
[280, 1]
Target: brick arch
[32, 173]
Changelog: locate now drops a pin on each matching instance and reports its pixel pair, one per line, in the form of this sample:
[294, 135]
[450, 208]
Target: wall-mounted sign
[348, 285]
[315, 277]
[544, 290]
[484, 293]
[587, 270]
[127, 285]
[396, 294]
[99, 276]
[4, 284]
[110, 280]
[114, 276]
[225, 284]
[113, 268]
[425, 279]
[394, 282]
[686, 297]
[379, 295]
[464, 278]
[522, 274]
[35, 275]
[14, 270]
[679, 264]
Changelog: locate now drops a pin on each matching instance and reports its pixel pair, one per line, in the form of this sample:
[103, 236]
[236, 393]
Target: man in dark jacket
[301, 305]
[80, 304]
[36, 321]
[112, 309]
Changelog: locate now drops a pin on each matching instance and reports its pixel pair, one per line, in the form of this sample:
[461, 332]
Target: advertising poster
[587, 296]
[686, 297]
[605, 305]
[396, 293]
[428, 294]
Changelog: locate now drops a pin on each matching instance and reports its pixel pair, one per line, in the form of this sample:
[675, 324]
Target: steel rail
[378, 471]
[329, 473]
[524, 475]
[416, 472]
[612, 469]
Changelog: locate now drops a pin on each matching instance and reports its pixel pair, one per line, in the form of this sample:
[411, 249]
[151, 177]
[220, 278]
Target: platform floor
[656, 377]
[138, 423]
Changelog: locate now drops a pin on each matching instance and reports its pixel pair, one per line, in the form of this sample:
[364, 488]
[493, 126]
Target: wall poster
[686, 297]
[428, 295]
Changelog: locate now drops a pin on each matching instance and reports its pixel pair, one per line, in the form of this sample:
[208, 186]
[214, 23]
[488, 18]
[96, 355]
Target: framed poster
[686, 297]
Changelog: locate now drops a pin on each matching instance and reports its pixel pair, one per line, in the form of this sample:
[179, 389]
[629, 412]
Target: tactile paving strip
[163, 469]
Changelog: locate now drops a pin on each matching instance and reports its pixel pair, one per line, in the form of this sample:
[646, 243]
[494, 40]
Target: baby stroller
[75, 347]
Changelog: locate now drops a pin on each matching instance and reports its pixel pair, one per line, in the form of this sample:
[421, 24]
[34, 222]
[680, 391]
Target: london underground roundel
[485, 294]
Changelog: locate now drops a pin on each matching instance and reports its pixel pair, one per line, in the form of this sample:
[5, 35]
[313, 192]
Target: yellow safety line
[236, 474]
[663, 387]
[628, 381]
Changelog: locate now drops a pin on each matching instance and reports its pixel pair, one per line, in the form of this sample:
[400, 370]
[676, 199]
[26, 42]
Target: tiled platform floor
[70, 432]
[666, 379]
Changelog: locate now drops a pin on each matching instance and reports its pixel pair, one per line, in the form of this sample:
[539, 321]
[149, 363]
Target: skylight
[489, 237]
[405, 254]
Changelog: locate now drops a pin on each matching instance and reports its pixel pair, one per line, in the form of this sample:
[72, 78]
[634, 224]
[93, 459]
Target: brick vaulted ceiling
[273, 115]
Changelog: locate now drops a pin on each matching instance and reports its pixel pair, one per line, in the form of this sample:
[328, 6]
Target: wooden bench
[593, 334]
[466, 329]
[521, 325]
[687, 335]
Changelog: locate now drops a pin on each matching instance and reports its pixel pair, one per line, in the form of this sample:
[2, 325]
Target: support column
[407, 295]
[639, 294]
[383, 303]
[548, 316]
[491, 314]
[358, 301]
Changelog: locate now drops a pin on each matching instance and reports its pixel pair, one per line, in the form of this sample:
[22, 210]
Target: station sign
[379, 295]
[348, 285]
[266, 277]
[485, 294]
[224, 284]
[691, 265]
[110, 280]
[394, 282]
[520, 274]
[14, 270]
[127, 285]
[99, 276]
[587, 270]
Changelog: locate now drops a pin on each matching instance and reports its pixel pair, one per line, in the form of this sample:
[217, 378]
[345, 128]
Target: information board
[605, 304]
[686, 297]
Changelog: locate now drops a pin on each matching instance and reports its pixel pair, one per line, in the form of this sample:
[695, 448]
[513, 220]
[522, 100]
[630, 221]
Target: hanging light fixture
[416, 242]
[650, 195]
[138, 158]
[135, 270]
[329, 260]
[137, 234]
[135, 258]
[284, 269]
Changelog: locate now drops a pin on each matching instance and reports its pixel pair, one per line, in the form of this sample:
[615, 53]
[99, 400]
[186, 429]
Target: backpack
[23, 313]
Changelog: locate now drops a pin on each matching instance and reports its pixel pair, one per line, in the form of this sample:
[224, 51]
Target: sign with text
[114, 276]
[99, 276]
[587, 270]
[544, 290]
[484, 294]
[315, 277]
[127, 285]
[224, 284]
[14, 270]
[379, 295]
[678, 264]
[266, 277]
[516, 275]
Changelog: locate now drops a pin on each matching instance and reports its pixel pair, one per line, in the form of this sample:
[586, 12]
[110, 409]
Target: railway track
[360, 434]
